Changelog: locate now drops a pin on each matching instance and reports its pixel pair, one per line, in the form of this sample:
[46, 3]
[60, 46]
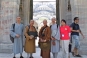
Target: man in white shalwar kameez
[55, 38]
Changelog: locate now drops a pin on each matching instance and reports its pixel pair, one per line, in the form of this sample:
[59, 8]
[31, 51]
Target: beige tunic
[29, 43]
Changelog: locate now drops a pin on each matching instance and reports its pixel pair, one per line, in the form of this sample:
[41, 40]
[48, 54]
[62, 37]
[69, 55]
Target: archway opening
[43, 9]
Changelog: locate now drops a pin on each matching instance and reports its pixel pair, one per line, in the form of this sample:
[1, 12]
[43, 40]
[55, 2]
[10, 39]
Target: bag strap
[57, 31]
[43, 29]
[51, 26]
[13, 27]
[57, 28]
[57, 25]
[29, 27]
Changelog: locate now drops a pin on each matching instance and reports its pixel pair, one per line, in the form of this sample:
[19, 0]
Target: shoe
[73, 54]
[14, 57]
[78, 55]
[31, 57]
[21, 57]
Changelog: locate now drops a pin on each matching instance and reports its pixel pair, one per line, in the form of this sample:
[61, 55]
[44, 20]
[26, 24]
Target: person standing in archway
[65, 31]
[30, 35]
[55, 38]
[44, 40]
[75, 28]
[18, 37]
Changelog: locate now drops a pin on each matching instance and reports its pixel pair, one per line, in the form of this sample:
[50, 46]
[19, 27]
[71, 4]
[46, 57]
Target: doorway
[40, 10]
[43, 9]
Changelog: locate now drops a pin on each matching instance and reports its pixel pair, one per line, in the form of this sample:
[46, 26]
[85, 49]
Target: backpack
[11, 38]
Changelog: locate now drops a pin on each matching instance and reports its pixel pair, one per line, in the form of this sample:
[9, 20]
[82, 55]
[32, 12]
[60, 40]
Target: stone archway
[27, 12]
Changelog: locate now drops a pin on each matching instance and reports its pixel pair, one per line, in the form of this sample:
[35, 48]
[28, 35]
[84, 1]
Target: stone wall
[64, 13]
[79, 9]
[9, 10]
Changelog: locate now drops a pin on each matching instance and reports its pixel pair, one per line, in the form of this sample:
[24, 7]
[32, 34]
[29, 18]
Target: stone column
[31, 9]
[8, 13]
[69, 13]
[63, 9]
[26, 12]
[58, 11]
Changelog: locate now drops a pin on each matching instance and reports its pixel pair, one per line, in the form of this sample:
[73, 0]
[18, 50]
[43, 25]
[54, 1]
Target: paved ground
[36, 55]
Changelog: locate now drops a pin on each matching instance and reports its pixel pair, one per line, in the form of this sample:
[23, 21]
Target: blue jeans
[75, 42]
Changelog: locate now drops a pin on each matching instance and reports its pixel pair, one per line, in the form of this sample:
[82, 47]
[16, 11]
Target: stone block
[6, 48]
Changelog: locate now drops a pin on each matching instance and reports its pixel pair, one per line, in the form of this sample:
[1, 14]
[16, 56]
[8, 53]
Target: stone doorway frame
[27, 11]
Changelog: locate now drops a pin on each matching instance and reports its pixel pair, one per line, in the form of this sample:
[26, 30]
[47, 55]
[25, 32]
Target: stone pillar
[58, 11]
[63, 9]
[9, 10]
[69, 13]
[31, 9]
[21, 9]
[26, 11]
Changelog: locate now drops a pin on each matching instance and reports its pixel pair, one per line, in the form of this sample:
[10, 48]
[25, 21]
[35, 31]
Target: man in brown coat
[30, 39]
[44, 40]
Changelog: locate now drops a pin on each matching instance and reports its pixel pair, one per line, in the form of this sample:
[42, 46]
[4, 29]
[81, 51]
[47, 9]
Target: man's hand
[31, 37]
[52, 38]
[83, 36]
[78, 31]
[44, 40]
[17, 36]
[41, 40]
[53, 43]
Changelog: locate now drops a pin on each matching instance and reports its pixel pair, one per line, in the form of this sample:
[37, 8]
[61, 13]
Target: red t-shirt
[65, 32]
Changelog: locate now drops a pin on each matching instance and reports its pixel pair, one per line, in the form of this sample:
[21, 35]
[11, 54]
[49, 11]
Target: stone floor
[36, 55]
